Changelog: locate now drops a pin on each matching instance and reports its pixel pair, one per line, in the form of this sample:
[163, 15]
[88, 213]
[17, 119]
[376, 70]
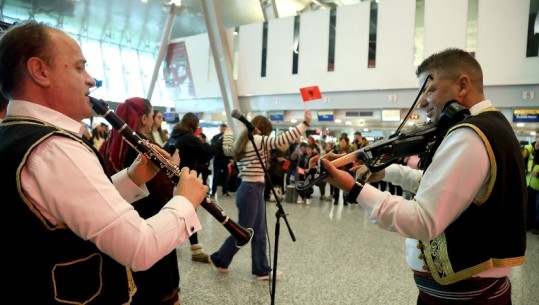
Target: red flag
[286, 165]
[310, 93]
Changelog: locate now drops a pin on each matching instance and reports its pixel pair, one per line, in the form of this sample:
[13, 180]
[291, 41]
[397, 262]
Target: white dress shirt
[458, 174]
[67, 184]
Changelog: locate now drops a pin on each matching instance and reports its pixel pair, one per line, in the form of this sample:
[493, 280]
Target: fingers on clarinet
[355, 169]
[327, 164]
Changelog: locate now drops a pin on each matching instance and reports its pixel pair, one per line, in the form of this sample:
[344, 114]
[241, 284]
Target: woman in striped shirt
[250, 193]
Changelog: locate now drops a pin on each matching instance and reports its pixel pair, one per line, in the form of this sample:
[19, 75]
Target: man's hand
[337, 177]
[363, 173]
[313, 162]
[191, 187]
[175, 159]
[142, 169]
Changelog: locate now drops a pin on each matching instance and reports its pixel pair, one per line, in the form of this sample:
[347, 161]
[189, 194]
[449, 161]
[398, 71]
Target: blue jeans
[251, 214]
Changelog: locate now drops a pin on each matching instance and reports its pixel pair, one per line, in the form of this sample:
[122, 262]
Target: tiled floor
[338, 257]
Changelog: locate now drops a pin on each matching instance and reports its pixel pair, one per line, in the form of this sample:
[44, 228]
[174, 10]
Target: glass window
[264, 49]
[132, 71]
[295, 49]
[419, 41]
[372, 35]
[113, 67]
[532, 48]
[331, 51]
[471, 35]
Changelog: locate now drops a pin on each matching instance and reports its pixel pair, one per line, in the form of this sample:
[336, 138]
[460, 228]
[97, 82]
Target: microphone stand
[279, 214]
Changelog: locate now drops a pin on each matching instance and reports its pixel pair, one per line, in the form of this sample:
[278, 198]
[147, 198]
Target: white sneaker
[307, 201]
[299, 200]
[268, 276]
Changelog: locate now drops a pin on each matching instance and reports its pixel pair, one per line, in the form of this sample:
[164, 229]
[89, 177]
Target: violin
[414, 141]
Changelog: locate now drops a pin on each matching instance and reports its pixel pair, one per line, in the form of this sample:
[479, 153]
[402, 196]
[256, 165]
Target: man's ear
[38, 71]
[465, 84]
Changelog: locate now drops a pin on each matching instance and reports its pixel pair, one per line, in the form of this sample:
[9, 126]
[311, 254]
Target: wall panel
[445, 25]
[501, 34]
[250, 58]
[279, 64]
[501, 43]
[199, 51]
[314, 44]
[351, 45]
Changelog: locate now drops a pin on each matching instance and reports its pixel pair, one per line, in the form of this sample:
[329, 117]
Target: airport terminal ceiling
[139, 24]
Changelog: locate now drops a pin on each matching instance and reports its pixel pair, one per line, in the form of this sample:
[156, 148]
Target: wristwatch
[351, 196]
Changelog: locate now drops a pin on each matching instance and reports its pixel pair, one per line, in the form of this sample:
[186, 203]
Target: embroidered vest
[50, 262]
[491, 232]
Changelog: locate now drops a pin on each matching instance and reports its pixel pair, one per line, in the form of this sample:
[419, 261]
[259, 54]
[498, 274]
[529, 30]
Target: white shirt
[157, 137]
[66, 183]
[459, 172]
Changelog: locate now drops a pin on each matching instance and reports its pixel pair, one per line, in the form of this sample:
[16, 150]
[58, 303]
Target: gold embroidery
[492, 160]
[437, 257]
[131, 284]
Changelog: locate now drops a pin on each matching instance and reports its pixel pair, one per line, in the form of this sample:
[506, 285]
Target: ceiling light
[293, 121]
[520, 124]
[338, 121]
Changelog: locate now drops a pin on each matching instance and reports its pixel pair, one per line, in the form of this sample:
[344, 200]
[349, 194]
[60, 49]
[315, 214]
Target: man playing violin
[465, 227]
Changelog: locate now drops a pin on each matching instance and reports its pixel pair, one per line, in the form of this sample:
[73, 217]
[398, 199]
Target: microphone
[250, 127]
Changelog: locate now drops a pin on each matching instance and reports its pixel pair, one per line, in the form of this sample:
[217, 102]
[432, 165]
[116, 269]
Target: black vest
[491, 232]
[51, 263]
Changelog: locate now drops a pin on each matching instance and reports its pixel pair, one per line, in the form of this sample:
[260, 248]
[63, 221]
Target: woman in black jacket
[192, 153]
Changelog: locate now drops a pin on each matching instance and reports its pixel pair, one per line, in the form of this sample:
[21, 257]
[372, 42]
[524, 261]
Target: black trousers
[220, 174]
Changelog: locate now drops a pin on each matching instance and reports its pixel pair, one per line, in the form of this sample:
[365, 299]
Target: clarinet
[143, 146]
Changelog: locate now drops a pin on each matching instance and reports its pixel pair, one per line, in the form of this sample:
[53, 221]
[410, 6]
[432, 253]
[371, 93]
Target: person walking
[220, 164]
[192, 153]
[250, 193]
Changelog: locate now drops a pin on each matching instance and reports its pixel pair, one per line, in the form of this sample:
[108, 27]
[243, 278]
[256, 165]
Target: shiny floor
[329, 254]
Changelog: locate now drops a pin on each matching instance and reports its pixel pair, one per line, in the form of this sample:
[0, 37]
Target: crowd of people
[109, 220]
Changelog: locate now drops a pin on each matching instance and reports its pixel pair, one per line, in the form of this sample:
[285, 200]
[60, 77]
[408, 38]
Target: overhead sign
[325, 116]
[277, 116]
[526, 115]
[391, 115]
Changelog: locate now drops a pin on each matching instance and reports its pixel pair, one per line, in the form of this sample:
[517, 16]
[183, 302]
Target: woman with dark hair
[250, 193]
[192, 153]
[160, 283]
[156, 133]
